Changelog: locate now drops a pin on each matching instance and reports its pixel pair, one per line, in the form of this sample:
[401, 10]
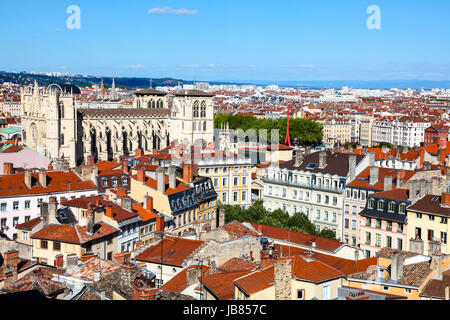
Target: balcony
[311, 186]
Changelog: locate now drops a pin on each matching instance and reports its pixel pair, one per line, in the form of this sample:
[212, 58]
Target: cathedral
[53, 125]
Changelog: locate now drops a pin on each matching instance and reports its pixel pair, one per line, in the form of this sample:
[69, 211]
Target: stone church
[54, 126]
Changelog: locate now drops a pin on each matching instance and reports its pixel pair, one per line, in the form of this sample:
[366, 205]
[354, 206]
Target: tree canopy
[302, 131]
[278, 218]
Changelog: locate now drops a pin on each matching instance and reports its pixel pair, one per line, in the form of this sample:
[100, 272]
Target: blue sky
[230, 39]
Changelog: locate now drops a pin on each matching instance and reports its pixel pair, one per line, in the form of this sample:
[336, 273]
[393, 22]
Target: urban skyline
[289, 41]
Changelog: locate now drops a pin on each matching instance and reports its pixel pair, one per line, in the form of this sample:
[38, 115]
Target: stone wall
[220, 252]
[25, 251]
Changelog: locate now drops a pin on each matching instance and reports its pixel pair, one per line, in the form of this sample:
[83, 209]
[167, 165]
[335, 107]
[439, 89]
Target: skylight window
[311, 166]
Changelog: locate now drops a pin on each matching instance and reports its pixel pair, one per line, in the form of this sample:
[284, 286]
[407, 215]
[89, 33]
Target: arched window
[153, 104]
[160, 104]
[62, 138]
[204, 126]
[195, 109]
[203, 110]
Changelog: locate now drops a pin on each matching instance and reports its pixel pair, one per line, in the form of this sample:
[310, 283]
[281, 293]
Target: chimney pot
[141, 175]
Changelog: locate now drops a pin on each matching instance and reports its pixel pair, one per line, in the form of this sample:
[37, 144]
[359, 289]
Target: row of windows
[235, 181]
[4, 221]
[114, 181]
[232, 169]
[380, 204]
[4, 205]
[432, 218]
[388, 241]
[378, 224]
[190, 216]
[235, 196]
[430, 235]
[326, 216]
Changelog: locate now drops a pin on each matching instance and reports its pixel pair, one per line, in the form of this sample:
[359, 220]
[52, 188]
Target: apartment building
[405, 131]
[428, 227]
[22, 193]
[337, 131]
[371, 180]
[313, 184]
[189, 201]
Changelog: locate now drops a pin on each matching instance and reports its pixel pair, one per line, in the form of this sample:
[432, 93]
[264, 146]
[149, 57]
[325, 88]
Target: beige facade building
[336, 131]
[55, 126]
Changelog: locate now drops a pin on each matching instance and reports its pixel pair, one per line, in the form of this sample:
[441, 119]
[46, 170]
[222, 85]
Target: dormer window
[391, 206]
[370, 203]
[380, 205]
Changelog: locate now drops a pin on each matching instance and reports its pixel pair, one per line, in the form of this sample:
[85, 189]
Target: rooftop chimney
[192, 276]
[141, 175]
[43, 206]
[11, 261]
[400, 178]
[127, 203]
[8, 168]
[187, 173]
[125, 166]
[52, 210]
[322, 160]
[72, 262]
[221, 217]
[371, 159]
[436, 265]
[148, 203]
[160, 223]
[43, 178]
[139, 152]
[445, 199]
[91, 161]
[373, 178]
[283, 279]
[109, 212]
[172, 177]
[397, 266]
[298, 158]
[352, 166]
[90, 217]
[59, 261]
[387, 183]
[27, 177]
[160, 178]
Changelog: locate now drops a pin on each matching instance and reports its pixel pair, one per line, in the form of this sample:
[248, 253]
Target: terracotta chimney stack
[141, 175]
[8, 168]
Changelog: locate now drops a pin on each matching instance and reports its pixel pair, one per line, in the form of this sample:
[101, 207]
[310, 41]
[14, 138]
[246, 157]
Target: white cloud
[167, 10]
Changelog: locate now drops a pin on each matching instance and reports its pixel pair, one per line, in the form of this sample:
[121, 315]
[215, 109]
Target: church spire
[113, 90]
[102, 89]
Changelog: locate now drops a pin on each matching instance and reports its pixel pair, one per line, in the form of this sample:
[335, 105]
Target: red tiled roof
[107, 165]
[28, 225]
[400, 194]
[221, 284]
[238, 229]
[178, 283]
[74, 233]
[382, 172]
[175, 251]
[119, 213]
[298, 237]
[256, 281]
[237, 265]
[152, 183]
[57, 181]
